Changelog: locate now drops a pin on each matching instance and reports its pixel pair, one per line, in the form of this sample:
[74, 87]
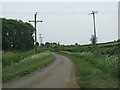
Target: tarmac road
[59, 74]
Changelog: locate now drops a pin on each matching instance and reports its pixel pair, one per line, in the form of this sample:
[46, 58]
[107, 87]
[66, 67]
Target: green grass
[26, 66]
[95, 71]
[9, 59]
[109, 48]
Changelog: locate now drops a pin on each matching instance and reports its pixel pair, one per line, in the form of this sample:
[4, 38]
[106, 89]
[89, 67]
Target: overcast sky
[67, 22]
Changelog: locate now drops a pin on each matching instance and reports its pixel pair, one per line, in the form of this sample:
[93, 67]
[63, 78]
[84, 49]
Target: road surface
[59, 74]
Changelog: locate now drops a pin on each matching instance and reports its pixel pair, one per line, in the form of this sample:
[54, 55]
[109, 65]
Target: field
[110, 48]
[26, 66]
[94, 68]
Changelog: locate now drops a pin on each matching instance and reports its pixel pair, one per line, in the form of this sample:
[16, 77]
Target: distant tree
[76, 44]
[47, 44]
[42, 44]
[58, 43]
[118, 40]
[54, 43]
[93, 39]
[37, 43]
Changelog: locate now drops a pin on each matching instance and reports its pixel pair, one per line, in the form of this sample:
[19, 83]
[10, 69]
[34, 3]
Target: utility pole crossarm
[39, 21]
[31, 21]
[36, 21]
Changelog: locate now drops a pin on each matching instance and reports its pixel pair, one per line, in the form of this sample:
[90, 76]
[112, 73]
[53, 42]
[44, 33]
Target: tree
[93, 40]
[42, 44]
[76, 44]
[58, 43]
[17, 35]
[37, 43]
[47, 44]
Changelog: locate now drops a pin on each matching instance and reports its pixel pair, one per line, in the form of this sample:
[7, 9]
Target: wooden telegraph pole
[35, 22]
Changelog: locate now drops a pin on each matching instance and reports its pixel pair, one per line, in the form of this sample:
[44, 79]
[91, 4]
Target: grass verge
[27, 66]
[94, 71]
[12, 58]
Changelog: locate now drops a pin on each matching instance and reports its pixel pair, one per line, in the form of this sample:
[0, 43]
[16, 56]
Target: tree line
[17, 35]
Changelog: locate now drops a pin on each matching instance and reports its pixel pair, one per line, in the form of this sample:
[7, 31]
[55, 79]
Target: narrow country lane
[59, 74]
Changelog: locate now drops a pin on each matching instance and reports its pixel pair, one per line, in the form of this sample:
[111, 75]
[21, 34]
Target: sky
[67, 22]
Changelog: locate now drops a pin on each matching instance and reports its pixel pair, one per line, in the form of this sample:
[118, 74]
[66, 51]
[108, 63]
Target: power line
[35, 22]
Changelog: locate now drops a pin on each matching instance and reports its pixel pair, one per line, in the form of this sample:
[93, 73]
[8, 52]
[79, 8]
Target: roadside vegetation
[94, 68]
[11, 58]
[26, 66]
[95, 71]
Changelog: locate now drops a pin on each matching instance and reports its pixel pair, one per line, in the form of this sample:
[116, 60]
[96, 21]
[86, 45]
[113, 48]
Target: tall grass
[26, 66]
[95, 71]
[107, 64]
[9, 59]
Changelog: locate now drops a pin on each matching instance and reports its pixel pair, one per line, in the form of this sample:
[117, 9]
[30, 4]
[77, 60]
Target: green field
[26, 66]
[110, 48]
